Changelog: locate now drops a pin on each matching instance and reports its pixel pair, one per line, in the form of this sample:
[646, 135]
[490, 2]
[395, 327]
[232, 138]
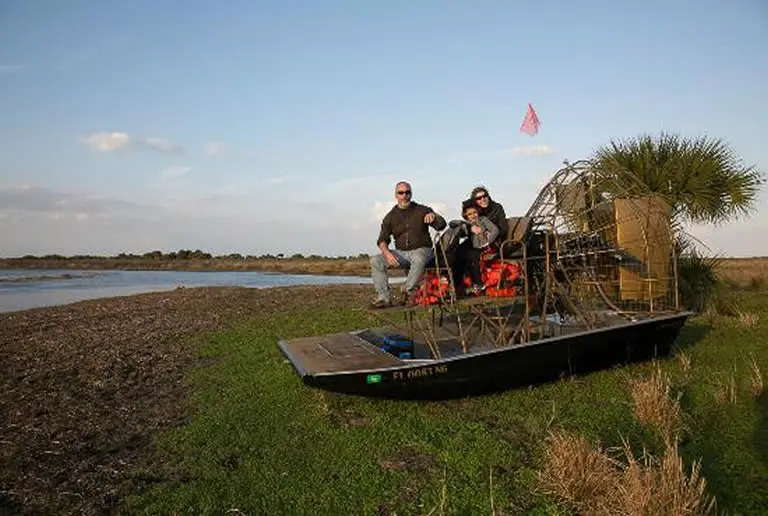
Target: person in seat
[408, 222]
[480, 233]
[491, 209]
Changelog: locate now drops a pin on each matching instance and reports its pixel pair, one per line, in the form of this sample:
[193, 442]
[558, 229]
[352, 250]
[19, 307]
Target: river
[21, 289]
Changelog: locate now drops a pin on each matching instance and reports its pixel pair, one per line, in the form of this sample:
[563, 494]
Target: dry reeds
[656, 487]
[750, 272]
[726, 392]
[685, 361]
[748, 319]
[653, 405]
[756, 378]
[580, 474]
[593, 483]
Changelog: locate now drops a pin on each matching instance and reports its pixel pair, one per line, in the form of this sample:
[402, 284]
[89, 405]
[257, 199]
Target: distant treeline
[188, 254]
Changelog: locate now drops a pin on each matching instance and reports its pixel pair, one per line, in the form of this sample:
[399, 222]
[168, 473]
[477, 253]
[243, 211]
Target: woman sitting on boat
[481, 232]
[487, 207]
[463, 254]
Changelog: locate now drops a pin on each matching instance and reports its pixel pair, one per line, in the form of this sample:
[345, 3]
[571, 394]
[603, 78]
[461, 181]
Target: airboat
[586, 280]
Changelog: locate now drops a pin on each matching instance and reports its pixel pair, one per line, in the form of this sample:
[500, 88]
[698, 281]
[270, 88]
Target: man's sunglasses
[404, 192]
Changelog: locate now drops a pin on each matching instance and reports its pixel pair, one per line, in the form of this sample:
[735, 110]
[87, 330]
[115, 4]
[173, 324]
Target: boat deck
[359, 350]
[336, 352]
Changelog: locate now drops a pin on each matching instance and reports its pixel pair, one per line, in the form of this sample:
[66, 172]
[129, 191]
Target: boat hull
[503, 368]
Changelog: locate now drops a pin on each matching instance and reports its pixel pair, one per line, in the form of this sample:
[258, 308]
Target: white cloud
[532, 150]
[213, 148]
[162, 145]
[175, 171]
[114, 141]
[107, 142]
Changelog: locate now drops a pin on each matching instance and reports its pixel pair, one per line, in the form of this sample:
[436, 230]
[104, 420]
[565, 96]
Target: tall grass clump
[756, 378]
[579, 473]
[652, 486]
[589, 481]
[654, 406]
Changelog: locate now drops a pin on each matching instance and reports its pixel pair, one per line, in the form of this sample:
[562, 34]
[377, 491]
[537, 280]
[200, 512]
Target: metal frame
[565, 276]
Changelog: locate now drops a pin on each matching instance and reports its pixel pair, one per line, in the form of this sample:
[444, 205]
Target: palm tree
[704, 181]
[702, 178]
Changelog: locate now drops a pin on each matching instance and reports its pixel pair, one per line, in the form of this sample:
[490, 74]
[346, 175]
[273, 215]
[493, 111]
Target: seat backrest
[519, 227]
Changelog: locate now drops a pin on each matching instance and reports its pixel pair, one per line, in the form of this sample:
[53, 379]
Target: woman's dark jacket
[495, 213]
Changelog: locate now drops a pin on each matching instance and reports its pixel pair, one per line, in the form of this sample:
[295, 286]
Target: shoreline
[355, 267]
[25, 279]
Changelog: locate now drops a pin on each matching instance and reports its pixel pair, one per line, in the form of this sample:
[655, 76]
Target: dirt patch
[410, 460]
[349, 418]
[86, 386]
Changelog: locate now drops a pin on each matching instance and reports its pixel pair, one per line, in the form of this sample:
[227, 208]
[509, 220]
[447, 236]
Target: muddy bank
[86, 385]
[25, 279]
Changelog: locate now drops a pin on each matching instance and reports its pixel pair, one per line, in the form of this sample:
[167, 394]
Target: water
[34, 292]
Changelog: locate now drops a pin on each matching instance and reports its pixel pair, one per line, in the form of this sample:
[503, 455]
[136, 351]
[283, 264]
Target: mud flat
[86, 386]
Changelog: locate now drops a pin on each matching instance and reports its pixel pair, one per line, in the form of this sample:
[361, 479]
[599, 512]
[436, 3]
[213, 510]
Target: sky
[282, 127]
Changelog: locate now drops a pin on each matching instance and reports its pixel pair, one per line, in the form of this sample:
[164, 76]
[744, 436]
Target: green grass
[262, 443]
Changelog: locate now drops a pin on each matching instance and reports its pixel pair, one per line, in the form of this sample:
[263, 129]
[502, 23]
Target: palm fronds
[703, 179]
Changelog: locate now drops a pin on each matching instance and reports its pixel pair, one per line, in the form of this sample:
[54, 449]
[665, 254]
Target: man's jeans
[415, 261]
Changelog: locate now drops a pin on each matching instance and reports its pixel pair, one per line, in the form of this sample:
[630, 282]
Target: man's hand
[391, 258]
[476, 229]
[429, 218]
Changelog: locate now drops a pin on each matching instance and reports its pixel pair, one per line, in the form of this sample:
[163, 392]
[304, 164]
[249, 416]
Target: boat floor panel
[337, 352]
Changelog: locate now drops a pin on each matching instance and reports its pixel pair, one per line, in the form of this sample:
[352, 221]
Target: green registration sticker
[373, 378]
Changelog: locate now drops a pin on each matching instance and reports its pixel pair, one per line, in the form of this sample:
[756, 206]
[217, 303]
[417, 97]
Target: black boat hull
[500, 369]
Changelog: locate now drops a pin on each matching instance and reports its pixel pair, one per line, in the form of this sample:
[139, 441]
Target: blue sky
[282, 126]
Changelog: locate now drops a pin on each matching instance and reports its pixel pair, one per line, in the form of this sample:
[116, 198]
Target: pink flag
[530, 122]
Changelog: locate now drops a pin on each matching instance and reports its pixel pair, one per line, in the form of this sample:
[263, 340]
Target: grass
[692, 428]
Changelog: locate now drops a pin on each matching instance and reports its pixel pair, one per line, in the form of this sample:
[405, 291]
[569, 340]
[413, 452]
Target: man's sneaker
[380, 303]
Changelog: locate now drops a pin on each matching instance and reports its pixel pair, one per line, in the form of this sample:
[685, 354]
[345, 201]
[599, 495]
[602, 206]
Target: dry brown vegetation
[746, 272]
[757, 385]
[592, 480]
[655, 406]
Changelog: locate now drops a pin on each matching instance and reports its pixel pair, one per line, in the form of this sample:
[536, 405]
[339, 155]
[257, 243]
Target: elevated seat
[503, 263]
[512, 247]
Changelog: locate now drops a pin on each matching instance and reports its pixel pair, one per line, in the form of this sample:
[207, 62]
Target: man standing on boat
[408, 222]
